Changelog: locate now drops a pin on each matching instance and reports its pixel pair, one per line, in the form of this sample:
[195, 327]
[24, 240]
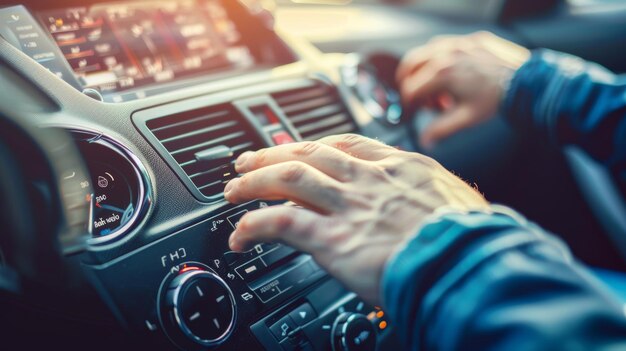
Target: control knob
[353, 332]
[201, 306]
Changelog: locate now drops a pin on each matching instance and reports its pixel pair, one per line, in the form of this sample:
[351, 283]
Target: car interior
[120, 121]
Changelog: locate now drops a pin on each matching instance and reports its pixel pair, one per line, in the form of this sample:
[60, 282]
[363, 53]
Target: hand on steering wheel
[464, 77]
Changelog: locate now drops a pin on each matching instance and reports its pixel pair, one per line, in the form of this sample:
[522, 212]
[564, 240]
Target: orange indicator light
[188, 268]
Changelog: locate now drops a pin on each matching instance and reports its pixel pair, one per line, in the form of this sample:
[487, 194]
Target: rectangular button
[282, 137]
[282, 328]
[303, 314]
[294, 273]
[232, 257]
[251, 269]
[276, 254]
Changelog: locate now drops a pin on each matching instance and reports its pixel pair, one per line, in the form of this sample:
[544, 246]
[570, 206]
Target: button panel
[314, 317]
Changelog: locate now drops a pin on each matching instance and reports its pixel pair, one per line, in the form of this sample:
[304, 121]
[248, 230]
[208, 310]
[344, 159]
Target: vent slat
[342, 129]
[307, 105]
[324, 111]
[217, 182]
[299, 95]
[209, 171]
[322, 123]
[185, 134]
[199, 131]
[316, 111]
[206, 144]
[190, 121]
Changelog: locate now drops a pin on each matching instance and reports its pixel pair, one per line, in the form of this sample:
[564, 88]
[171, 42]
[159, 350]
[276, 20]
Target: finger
[412, 62]
[448, 124]
[294, 181]
[420, 56]
[327, 159]
[424, 84]
[359, 146]
[293, 226]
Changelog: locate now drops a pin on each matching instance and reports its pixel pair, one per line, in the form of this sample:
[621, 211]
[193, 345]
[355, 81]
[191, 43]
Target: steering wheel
[41, 218]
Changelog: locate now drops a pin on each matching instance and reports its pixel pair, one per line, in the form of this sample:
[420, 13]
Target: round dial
[353, 332]
[116, 188]
[201, 306]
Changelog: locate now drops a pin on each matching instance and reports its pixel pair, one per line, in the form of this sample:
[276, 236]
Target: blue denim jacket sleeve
[496, 282]
[572, 102]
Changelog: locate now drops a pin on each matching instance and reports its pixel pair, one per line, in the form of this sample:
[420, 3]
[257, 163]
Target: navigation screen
[120, 46]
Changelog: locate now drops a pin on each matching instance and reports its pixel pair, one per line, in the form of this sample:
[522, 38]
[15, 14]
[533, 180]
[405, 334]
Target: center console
[189, 288]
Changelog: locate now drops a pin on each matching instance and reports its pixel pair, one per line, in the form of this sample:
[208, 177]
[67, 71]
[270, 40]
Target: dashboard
[159, 98]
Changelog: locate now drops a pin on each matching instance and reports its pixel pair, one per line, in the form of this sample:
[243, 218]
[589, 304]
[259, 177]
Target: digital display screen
[119, 46]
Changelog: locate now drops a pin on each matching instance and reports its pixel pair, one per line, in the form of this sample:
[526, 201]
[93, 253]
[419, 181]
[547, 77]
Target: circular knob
[353, 332]
[201, 306]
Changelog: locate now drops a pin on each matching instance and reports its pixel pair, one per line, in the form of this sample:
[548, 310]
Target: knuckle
[259, 157]
[351, 138]
[348, 141]
[349, 170]
[444, 71]
[419, 160]
[284, 222]
[392, 171]
[293, 172]
[378, 173]
[244, 181]
[307, 148]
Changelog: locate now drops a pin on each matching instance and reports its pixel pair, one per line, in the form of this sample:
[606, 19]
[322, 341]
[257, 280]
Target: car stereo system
[206, 296]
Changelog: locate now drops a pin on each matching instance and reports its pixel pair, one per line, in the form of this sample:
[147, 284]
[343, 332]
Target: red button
[282, 137]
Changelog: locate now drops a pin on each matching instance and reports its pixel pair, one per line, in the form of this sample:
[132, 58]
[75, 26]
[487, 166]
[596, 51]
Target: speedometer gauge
[117, 188]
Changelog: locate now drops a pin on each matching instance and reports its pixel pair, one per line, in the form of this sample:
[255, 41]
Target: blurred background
[564, 191]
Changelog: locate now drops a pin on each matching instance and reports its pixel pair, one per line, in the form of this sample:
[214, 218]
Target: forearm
[492, 282]
[571, 102]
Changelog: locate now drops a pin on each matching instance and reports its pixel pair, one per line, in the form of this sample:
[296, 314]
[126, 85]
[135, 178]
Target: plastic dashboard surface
[270, 298]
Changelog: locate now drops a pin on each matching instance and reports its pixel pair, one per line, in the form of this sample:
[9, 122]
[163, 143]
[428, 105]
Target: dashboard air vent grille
[316, 111]
[204, 143]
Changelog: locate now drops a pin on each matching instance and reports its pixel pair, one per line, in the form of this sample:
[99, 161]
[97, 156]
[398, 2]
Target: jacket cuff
[533, 100]
[440, 245]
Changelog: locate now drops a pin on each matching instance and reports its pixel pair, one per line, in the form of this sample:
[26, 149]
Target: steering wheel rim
[43, 223]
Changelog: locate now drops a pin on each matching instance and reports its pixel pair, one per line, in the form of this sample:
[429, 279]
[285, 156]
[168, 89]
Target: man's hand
[359, 201]
[462, 76]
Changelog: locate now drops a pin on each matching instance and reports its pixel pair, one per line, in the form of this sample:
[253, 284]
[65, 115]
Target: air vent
[316, 111]
[204, 143]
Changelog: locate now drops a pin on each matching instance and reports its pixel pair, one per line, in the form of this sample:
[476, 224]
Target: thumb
[450, 122]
